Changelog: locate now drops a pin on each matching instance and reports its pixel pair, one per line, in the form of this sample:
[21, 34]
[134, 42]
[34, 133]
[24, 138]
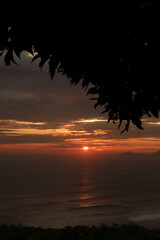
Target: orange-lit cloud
[153, 123]
[147, 144]
[53, 132]
[13, 122]
[13, 127]
[112, 146]
[90, 120]
[100, 132]
[71, 135]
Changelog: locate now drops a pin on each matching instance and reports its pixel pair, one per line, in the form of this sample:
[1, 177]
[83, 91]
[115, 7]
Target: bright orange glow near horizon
[85, 148]
[67, 137]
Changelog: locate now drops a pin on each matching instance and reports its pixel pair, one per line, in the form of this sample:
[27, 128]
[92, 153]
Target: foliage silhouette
[114, 232]
[116, 52]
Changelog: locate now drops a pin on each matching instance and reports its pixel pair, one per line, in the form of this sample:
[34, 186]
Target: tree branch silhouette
[118, 53]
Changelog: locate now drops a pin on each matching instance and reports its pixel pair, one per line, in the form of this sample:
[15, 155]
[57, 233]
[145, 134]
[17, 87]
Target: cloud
[36, 110]
[100, 132]
[90, 120]
[54, 129]
[8, 95]
[28, 94]
[72, 134]
[153, 123]
[66, 135]
[17, 123]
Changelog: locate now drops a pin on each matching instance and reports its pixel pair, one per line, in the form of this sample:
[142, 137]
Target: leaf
[120, 122]
[123, 131]
[42, 62]
[53, 64]
[60, 68]
[93, 98]
[9, 57]
[107, 108]
[30, 49]
[85, 83]
[154, 112]
[92, 91]
[137, 122]
[1, 53]
[126, 127]
[17, 52]
[35, 57]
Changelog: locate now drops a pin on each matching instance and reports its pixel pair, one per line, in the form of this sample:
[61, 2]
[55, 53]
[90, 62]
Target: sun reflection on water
[86, 194]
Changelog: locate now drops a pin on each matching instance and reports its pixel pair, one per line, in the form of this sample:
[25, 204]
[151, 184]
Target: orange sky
[38, 115]
[72, 136]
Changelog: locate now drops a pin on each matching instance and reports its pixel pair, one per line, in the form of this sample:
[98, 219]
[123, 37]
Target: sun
[85, 148]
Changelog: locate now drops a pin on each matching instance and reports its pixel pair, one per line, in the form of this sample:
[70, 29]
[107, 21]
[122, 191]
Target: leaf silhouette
[35, 57]
[53, 64]
[117, 54]
[9, 57]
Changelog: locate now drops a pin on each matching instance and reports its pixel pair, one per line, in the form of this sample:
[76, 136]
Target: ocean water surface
[56, 192]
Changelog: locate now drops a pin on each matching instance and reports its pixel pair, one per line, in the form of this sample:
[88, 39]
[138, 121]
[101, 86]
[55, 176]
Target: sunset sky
[38, 115]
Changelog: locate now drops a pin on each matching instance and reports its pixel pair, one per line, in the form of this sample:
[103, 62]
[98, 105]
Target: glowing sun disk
[85, 148]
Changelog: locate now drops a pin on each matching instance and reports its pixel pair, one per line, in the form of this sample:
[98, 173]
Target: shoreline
[114, 232]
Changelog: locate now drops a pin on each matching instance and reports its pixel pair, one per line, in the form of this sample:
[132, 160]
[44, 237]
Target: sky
[43, 116]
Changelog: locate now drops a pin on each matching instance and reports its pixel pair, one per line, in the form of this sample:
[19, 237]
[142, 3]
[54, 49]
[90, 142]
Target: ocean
[86, 190]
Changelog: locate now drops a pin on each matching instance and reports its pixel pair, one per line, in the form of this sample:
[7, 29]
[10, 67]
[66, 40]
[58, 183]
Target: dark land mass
[114, 232]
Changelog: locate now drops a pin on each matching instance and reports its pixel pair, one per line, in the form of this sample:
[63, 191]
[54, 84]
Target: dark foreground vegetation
[115, 232]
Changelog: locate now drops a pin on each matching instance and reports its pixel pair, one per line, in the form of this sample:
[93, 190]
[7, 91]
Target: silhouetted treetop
[117, 50]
